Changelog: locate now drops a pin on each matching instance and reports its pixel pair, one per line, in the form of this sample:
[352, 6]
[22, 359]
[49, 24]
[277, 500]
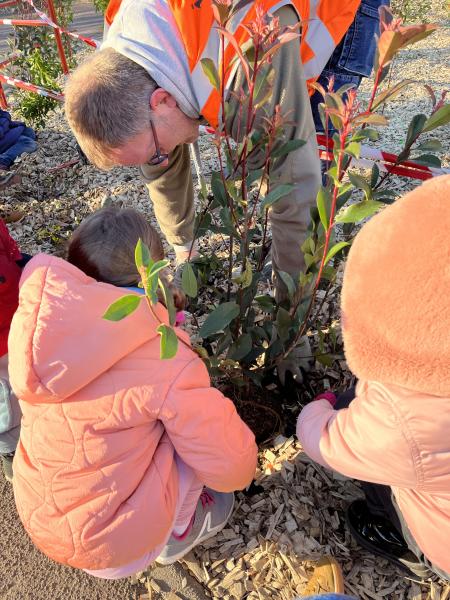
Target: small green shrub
[38, 60]
[100, 5]
[412, 11]
[241, 330]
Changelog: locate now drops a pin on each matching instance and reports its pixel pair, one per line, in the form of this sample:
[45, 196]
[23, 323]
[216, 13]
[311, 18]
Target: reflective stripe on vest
[324, 22]
[319, 43]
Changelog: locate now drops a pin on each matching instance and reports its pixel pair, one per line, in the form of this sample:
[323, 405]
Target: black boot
[378, 535]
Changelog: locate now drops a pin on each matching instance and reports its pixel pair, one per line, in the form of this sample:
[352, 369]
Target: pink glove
[327, 396]
[180, 318]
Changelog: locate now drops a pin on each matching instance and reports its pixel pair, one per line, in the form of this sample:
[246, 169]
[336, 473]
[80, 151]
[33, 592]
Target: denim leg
[10, 416]
[344, 399]
[24, 144]
[353, 58]
[340, 79]
[29, 133]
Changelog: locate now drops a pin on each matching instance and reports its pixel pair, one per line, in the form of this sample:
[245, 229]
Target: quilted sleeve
[366, 441]
[207, 432]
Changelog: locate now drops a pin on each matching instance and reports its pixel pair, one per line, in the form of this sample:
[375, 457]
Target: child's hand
[327, 396]
[179, 299]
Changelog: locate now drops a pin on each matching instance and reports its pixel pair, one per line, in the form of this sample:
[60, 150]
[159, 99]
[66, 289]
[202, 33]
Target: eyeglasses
[158, 157]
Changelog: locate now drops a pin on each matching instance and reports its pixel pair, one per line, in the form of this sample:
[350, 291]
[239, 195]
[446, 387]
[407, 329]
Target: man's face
[172, 128]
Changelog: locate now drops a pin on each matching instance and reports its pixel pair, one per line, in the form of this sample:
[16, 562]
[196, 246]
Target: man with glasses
[141, 98]
[140, 101]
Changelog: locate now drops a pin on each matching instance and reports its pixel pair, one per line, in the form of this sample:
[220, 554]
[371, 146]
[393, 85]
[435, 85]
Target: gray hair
[103, 245]
[107, 103]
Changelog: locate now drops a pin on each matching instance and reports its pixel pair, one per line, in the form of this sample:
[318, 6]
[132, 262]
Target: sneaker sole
[406, 566]
[207, 536]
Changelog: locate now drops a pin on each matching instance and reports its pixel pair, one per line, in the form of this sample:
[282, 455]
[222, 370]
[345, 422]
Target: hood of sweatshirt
[59, 341]
[145, 31]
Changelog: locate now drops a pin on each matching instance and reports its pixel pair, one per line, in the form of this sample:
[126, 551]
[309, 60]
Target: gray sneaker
[211, 515]
[7, 462]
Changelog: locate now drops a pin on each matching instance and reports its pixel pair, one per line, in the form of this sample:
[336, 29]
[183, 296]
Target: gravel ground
[298, 513]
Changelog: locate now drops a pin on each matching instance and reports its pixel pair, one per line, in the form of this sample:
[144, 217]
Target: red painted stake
[3, 100]
[9, 3]
[62, 56]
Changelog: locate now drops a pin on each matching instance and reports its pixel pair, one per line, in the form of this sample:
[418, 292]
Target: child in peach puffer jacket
[116, 444]
[395, 433]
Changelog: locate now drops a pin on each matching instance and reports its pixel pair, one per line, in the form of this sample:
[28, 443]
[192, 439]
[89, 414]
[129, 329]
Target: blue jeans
[10, 416]
[25, 143]
[353, 58]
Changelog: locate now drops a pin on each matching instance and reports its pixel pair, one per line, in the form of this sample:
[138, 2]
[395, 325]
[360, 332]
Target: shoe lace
[206, 498]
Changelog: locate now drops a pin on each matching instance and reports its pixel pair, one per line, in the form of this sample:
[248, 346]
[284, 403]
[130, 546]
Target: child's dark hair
[103, 245]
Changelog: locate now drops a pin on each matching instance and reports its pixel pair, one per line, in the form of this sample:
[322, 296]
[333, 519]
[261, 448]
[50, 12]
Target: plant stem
[340, 174]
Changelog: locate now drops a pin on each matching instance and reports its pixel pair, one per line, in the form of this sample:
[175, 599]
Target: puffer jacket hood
[71, 344]
[395, 296]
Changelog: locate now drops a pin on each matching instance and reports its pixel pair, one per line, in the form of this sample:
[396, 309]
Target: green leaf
[210, 70]
[168, 301]
[354, 149]
[415, 128]
[439, 118]
[287, 147]
[123, 307]
[367, 133]
[202, 223]
[323, 205]
[361, 184]
[334, 250]
[329, 273]
[141, 255]
[284, 323]
[157, 267]
[254, 176]
[429, 146]
[169, 342]
[266, 303]
[218, 189]
[308, 246]
[309, 260]
[245, 278]
[189, 280]
[358, 212]
[241, 347]
[288, 282]
[225, 217]
[220, 317]
[276, 194]
[390, 93]
[429, 160]
[325, 359]
[263, 85]
[374, 175]
[373, 118]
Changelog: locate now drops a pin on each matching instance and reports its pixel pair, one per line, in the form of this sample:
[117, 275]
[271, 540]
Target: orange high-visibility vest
[324, 23]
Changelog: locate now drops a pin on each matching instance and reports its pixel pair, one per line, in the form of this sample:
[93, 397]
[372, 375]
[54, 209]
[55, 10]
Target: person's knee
[29, 133]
